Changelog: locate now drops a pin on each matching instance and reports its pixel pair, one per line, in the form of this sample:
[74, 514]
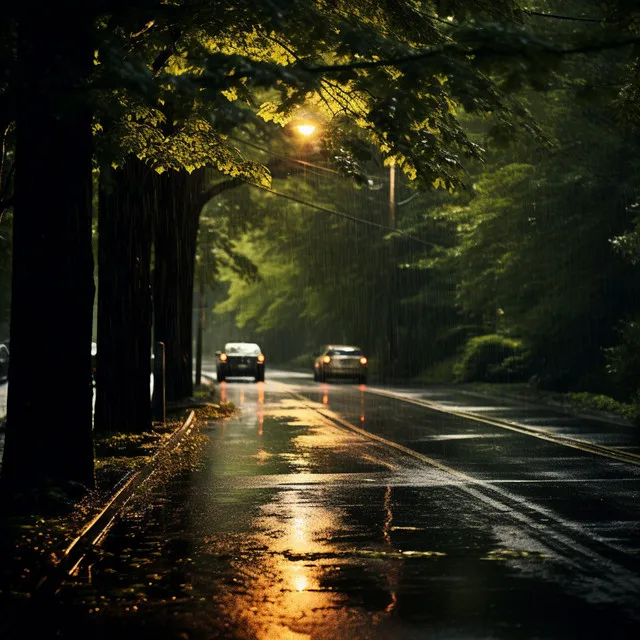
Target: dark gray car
[240, 359]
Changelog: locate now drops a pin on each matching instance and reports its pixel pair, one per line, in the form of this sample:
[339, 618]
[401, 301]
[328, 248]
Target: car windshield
[345, 351]
[241, 349]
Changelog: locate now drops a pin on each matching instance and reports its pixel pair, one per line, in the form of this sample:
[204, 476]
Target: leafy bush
[602, 403]
[449, 342]
[515, 368]
[623, 360]
[492, 358]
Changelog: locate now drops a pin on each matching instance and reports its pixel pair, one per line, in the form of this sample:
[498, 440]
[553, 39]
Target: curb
[94, 530]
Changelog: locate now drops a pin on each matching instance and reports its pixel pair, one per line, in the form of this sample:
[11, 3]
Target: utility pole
[392, 312]
[392, 195]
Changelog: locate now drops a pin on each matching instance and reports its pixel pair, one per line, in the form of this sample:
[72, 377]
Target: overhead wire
[342, 214]
[555, 16]
[318, 207]
[283, 156]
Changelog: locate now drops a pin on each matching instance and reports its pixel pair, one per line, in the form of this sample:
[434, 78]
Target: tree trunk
[48, 439]
[180, 202]
[176, 231]
[124, 299]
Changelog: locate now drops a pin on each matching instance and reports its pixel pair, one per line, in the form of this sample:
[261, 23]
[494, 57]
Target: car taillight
[326, 359]
[223, 357]
[261, 357]
[363, 360]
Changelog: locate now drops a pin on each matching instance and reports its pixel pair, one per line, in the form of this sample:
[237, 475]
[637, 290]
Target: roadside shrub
[515, 368]
[623, 360]
[449, 342]
[492, 358]
[602, 403]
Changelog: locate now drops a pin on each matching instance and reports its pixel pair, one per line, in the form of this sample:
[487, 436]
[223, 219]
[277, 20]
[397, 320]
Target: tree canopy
[539, 247]
[529, 245]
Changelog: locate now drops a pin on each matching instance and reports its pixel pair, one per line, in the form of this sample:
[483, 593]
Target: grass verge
[582, 402]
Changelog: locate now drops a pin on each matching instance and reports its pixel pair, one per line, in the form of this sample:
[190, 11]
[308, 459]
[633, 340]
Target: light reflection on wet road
[598, 493]
[296, 527]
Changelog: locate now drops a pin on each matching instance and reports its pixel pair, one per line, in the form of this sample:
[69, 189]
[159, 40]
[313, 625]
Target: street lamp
[392, 193]
[391, 282]
[306, 129]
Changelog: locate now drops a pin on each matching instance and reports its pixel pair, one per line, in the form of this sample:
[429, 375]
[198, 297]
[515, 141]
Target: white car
[340, 361]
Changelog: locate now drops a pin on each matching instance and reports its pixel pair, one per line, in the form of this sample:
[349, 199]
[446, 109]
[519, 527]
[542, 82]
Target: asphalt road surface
[335, 511]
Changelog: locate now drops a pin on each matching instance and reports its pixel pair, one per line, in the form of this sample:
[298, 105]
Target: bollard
[159, 401]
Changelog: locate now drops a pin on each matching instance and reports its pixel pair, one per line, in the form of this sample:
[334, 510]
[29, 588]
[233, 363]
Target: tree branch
[455, 48]
[160, 60]
[219, 188]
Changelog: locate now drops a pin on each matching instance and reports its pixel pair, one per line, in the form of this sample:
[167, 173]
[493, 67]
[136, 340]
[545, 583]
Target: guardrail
[82, 546]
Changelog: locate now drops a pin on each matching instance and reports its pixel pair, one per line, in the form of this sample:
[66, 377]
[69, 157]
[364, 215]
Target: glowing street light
[306, 130]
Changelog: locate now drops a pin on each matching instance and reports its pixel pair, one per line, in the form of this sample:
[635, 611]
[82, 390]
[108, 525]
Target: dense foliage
[539, 249]
[527, 235]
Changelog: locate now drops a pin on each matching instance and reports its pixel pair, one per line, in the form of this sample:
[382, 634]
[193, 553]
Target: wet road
[330, 511]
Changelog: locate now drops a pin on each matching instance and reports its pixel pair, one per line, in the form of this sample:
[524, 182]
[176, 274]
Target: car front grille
[240, 364]
[234, 360]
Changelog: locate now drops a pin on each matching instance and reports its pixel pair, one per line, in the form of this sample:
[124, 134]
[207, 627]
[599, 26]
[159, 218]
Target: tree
[396, 79]
[263, 61]
[124, 302]
[532, 256]
[52, 235]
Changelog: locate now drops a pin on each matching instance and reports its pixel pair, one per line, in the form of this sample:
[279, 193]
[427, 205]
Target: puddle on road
[511, 554]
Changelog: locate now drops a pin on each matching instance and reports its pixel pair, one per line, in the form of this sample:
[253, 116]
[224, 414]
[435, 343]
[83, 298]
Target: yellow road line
[574, 443]
[562, 532]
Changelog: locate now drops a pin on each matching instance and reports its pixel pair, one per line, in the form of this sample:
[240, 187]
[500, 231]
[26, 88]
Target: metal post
[200, 333]
[392, 194]
[159, 403]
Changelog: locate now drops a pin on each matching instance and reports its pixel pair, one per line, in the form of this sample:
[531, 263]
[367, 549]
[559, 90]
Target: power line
[312, 205]
[456, 48]
[282, 156]
[341, 214]
[559, 17]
